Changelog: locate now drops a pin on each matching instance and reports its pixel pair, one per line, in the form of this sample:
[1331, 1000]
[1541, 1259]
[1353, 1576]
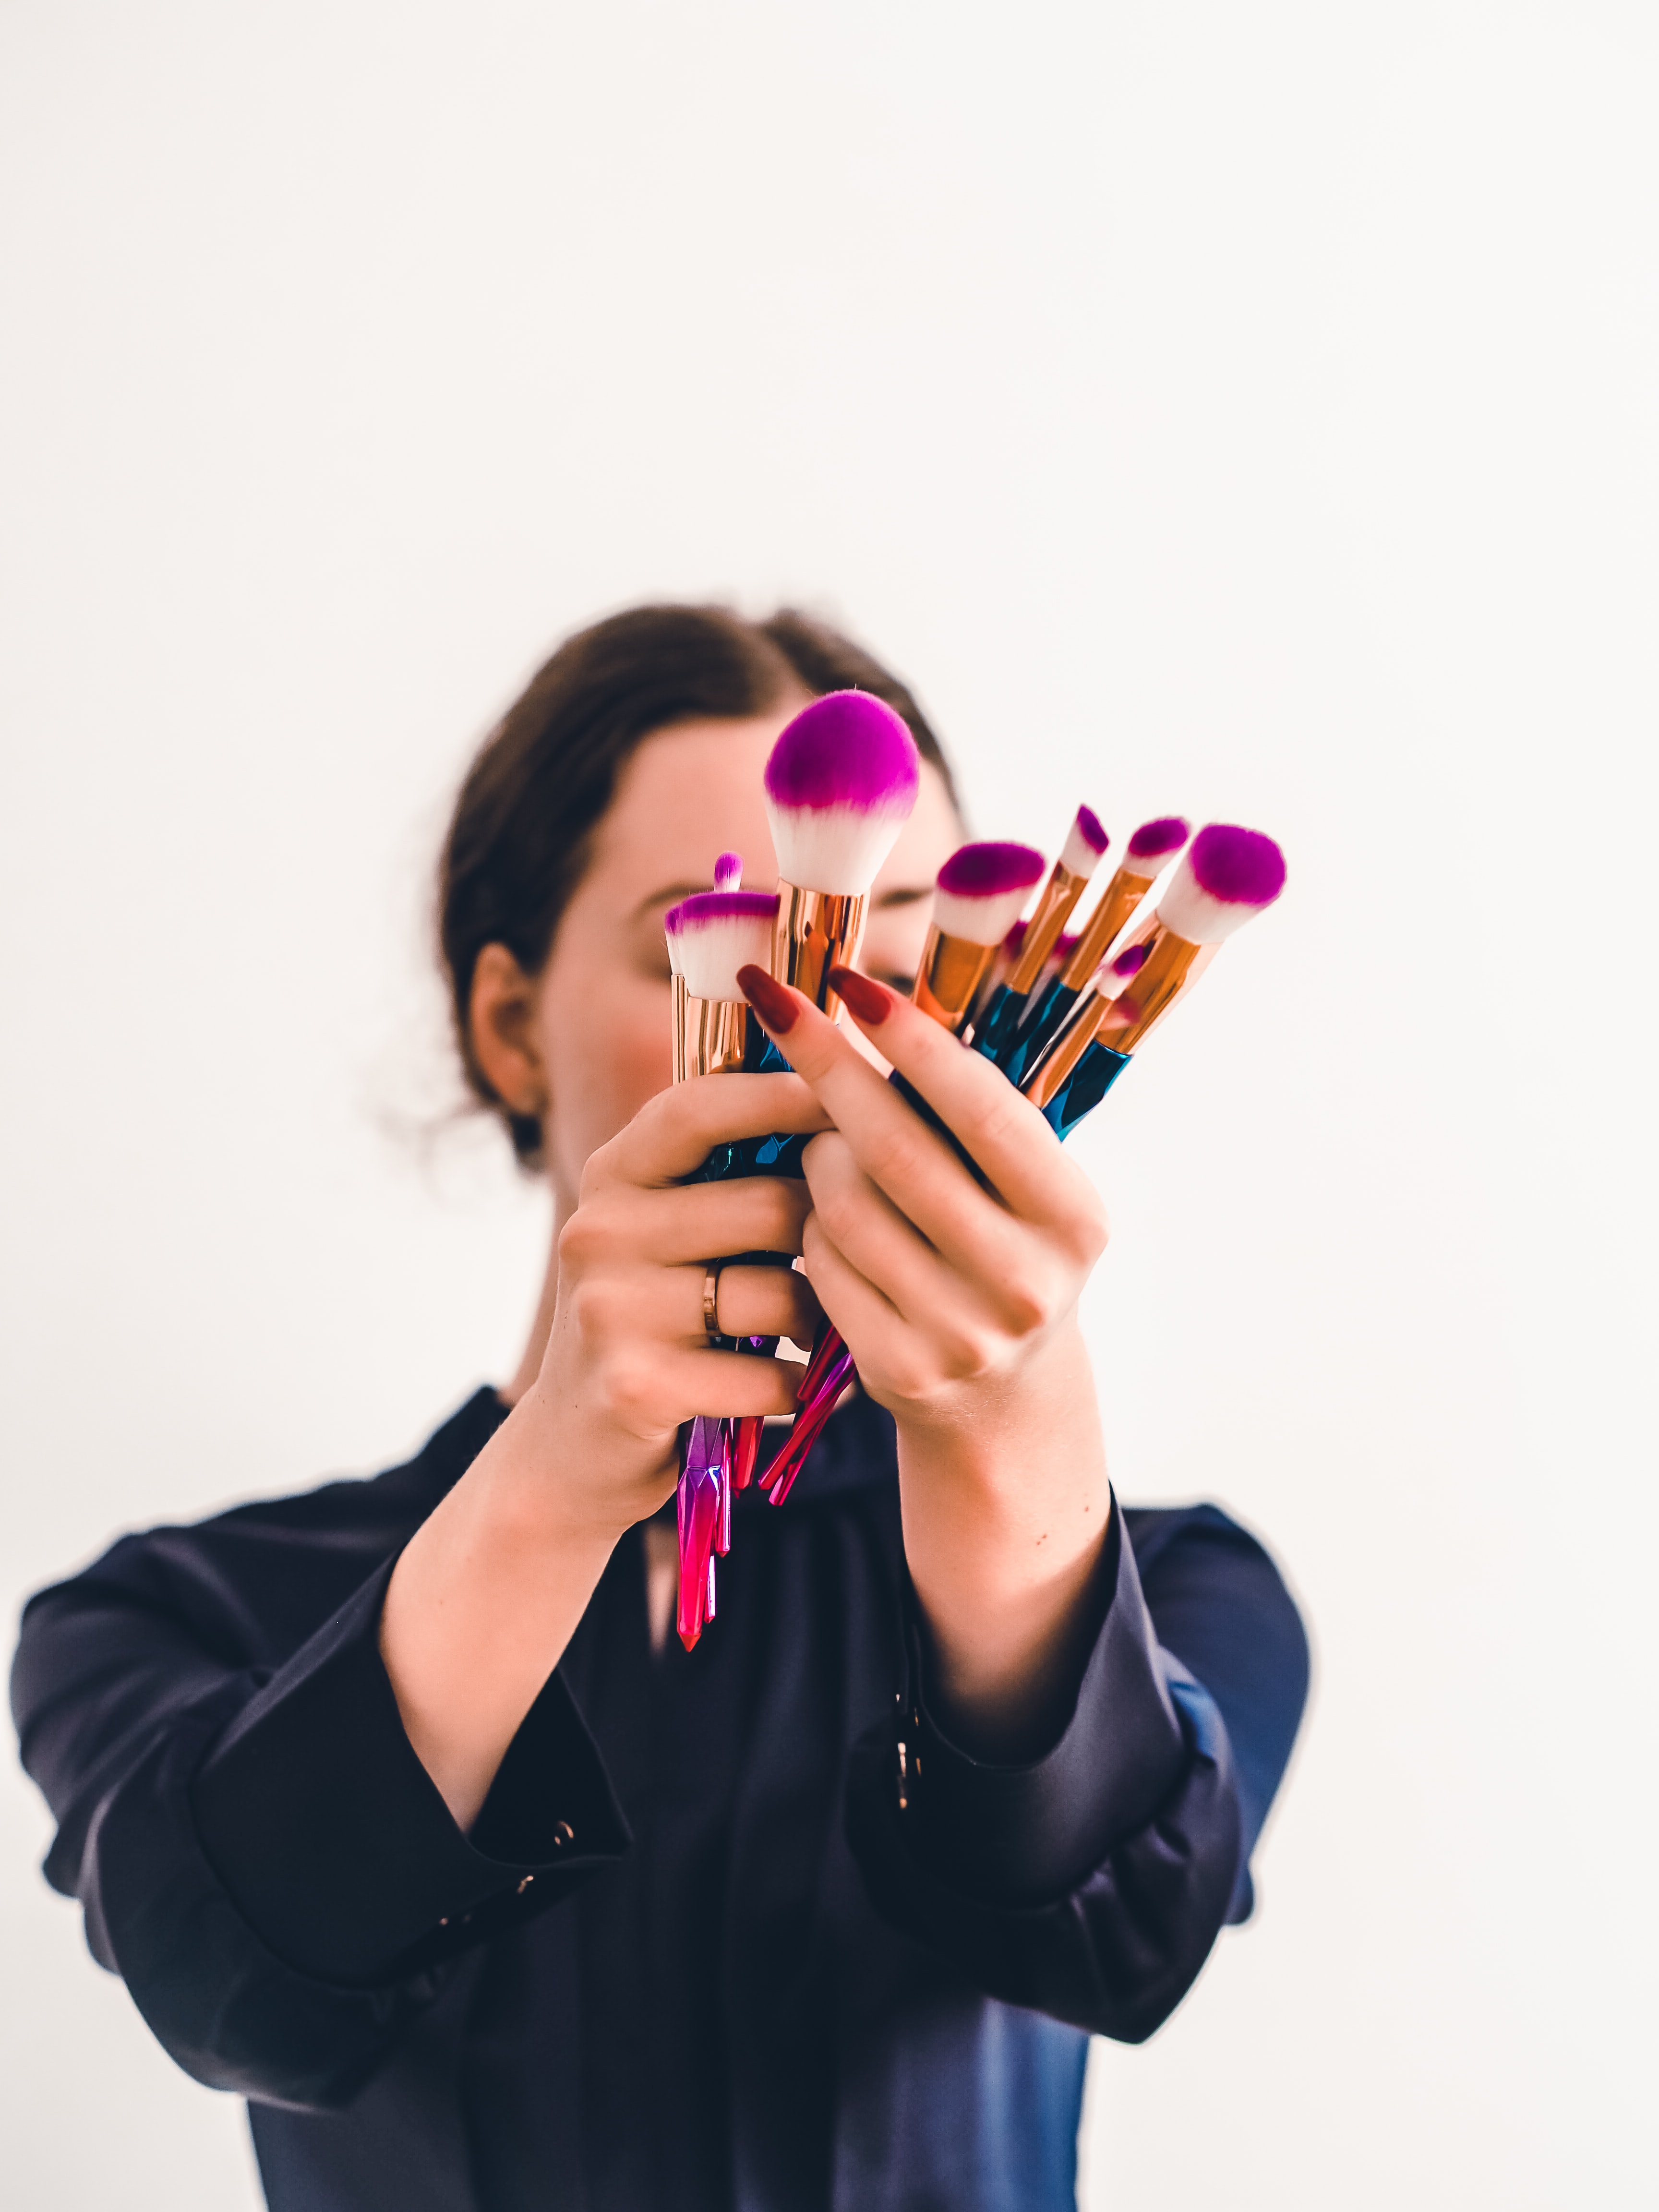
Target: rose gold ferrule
[1171, 968]
[1117, 902]
[952, 968]
[1054, 910]
[713, 1036]
[1125, 1019]
[816, 931]
[1063, 1055]
[677, 1025]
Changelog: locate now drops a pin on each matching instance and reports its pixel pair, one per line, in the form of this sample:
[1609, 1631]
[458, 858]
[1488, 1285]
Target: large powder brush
[841, 783]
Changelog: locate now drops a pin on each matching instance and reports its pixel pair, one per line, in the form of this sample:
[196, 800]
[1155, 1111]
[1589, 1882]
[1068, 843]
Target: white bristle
[711, 953]
[979, 921]
[1078, 856]
[1191, 912]
[674, 967]
[834, 848]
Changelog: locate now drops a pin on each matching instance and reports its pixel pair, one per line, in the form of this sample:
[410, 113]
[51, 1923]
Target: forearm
[489, 1593]
[1006, 1506]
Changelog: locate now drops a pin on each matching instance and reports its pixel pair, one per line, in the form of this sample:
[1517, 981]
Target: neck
[530, 1365]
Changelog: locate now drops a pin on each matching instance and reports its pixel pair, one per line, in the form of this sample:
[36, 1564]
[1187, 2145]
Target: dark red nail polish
[871, 1002]
[772, 1000]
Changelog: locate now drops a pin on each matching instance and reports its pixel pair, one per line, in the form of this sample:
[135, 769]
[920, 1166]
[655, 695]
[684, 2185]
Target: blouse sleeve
[259, 1854]
[1091, 1883]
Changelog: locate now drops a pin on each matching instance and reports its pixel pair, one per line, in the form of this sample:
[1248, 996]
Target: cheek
[642, 1060]
[607, 1056]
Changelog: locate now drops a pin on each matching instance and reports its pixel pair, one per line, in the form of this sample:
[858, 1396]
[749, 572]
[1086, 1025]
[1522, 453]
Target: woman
[396, 1805]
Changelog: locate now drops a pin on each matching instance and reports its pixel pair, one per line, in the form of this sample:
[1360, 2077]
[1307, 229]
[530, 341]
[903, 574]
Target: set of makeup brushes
[1060, 1012]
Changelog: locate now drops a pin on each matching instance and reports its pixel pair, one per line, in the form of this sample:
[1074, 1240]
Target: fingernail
[871, 1002]
[774, 1004]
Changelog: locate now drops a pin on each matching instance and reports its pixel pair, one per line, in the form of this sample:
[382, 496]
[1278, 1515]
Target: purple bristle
[988, 871]
[1130, 962]
[1156, 841]
[846, 750]
[1089, 829]
[719, 906]
[1241, 868]
[728, 871]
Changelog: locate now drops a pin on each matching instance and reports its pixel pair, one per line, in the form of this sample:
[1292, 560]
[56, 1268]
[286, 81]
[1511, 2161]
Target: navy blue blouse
[742, 1928]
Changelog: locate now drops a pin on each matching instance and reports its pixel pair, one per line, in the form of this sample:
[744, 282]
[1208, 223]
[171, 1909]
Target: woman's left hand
[958, 1297]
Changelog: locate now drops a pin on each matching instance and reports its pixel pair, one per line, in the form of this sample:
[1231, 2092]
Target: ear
[501, 1023]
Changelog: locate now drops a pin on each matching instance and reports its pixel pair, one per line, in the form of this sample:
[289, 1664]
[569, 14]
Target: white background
[1251, 410]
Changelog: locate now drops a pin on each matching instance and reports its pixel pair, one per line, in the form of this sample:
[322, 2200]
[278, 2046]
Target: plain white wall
[1246, 410]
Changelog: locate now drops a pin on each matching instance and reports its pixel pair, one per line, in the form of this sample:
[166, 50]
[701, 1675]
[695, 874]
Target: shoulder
[1192, 1555]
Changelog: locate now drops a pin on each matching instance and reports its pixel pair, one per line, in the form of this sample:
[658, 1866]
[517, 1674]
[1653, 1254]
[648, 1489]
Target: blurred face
[591, 1032]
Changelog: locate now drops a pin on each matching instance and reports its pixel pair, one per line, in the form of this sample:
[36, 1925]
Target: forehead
[692, 792]
[686, 795]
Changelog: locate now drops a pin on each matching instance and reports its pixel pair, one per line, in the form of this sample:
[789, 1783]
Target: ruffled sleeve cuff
[1021, 1834]
[334, 1843]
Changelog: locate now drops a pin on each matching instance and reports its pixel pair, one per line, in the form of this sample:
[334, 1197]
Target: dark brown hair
[544, 777]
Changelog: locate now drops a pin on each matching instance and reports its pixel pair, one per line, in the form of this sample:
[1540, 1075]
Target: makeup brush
[710, 936]
[977, 895]
[701, 1505]
[1079, 857]
[1080, 1035]
[1153, 846]
[1227, 877]
[998, 973]
[728, 873]
[977, 899]
[840, 783]
[677, 995]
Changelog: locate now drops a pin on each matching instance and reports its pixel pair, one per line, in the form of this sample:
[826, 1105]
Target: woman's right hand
[491, 1587]
[628, 1360]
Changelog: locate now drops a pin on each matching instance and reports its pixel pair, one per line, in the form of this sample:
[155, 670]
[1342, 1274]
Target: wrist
[1042, 1408]
[562, 1481]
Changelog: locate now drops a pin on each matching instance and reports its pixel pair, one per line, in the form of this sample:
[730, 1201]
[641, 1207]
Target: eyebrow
[666, 895]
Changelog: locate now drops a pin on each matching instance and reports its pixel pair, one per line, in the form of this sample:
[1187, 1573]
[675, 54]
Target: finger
[687, 1222]
[877, 1335]
[687, 1383]
[868, 1232]
[675, 1132]
[962, 1313]
[1004, 1134]
[751, 1301]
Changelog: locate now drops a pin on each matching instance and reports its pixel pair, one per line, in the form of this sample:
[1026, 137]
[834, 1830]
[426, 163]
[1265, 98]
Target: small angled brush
[710, 936]
[976, 901]
[1080, 856]
[1153, 846]
[841, 783]
[1227, 877]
